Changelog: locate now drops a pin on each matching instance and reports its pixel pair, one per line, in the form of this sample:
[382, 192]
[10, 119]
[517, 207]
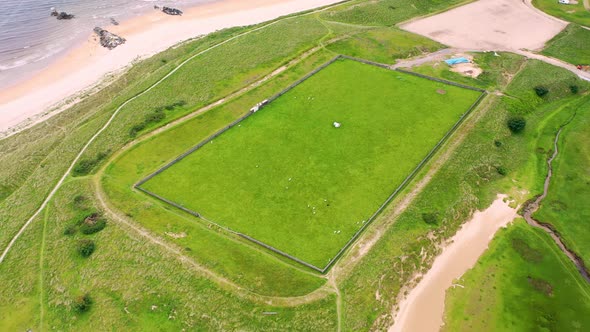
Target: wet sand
[87, 64]
[422, 310]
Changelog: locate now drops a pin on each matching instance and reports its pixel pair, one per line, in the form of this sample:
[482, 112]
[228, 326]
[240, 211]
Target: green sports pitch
[289, 177]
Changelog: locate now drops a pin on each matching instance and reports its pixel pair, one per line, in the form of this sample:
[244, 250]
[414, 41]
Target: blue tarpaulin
[455, 61]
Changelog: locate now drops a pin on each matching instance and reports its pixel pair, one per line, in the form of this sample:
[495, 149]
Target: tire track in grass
[42, 270]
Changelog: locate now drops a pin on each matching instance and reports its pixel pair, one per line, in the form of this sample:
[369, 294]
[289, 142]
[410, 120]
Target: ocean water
[30, 39]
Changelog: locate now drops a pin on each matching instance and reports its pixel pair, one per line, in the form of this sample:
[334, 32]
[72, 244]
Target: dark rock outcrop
[171, 11]
[108, 39]
[61, 15]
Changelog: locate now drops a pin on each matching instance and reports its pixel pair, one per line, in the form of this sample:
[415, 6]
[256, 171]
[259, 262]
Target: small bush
[155, 117]
[80, 201]
[574, 89]
[83, 303]
[541, 91]
[91, 227]
[501, 170]
[86, 247]
[497, 143]
[430, 218]
[516, 124]
[70, 230]
[85, 166]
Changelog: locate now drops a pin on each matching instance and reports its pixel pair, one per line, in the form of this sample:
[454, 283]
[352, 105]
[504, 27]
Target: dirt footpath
[489, 25]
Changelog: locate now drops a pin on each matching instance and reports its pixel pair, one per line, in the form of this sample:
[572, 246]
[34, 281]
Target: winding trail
[532, 207]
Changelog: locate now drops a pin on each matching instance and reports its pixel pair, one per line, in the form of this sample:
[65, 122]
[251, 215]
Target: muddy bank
[423, 308]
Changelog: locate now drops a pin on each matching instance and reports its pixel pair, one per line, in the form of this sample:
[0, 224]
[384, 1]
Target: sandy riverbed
[423, 308]
[147, 35]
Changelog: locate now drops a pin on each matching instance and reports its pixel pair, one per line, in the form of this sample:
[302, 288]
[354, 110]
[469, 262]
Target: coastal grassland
[285, 176]
[384, 45]
[566, 206]
[128, 274]
[466, 180]
[522, 283]
[386, 12]
[571, 45]
[575, 13]
[133, 284]
[217, 73]
[33, 160]
[497, 70]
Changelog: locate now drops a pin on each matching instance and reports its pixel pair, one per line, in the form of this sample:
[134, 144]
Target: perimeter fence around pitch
[273, 98]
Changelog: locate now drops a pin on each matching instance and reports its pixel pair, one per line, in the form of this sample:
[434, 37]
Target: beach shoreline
[88, 67]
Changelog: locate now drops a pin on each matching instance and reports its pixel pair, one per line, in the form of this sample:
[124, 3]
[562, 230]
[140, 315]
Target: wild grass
[385, 12]
[132, 283]
[384, 45]
[565, 206]
[571, 45]
[575, 13]
[522, 283]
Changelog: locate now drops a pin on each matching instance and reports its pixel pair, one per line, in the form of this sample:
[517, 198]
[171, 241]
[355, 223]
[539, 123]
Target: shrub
[541, 91]
[501, 170]
[155, 117]
[497, 143]
[91, 226]
[430, 218]
[86, 247]
[84, 167]
[516, 124]
[70, 230]
[80, 201]
[574, 89]
[83, 303]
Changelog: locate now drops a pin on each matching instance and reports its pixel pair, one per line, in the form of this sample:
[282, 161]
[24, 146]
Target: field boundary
[273, 98]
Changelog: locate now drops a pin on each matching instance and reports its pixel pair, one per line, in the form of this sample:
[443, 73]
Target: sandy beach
[86, 65]
[423, 308]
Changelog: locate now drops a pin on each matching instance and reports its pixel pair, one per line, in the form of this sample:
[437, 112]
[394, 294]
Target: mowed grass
[288, 178]
[522, 283]
[566, 206]
[571, 45]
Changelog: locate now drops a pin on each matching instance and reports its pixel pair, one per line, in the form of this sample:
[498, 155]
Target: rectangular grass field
[288, 178]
